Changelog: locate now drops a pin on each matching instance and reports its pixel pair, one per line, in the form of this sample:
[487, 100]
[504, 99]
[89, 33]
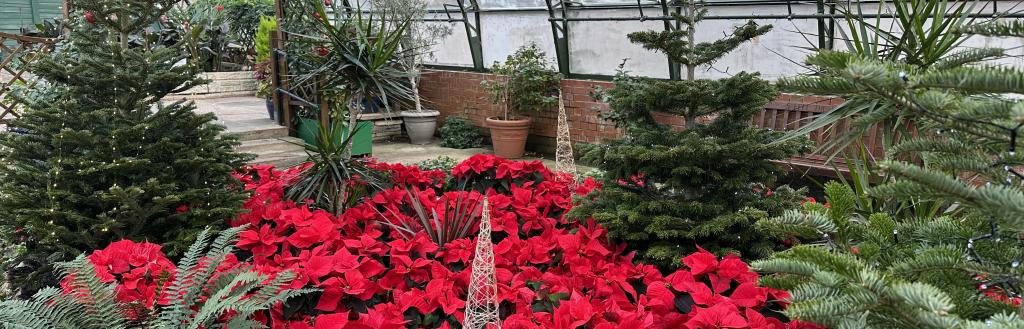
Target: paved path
[248, 116]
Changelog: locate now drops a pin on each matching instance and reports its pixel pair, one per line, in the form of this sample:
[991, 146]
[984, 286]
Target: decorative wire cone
[564, 160]
[482, 299]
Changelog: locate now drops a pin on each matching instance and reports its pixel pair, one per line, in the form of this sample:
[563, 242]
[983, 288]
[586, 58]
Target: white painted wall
[599, 47]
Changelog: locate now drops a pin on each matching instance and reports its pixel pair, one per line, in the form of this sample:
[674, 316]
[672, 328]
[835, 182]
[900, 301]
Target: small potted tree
[420, 122]
[526, 82]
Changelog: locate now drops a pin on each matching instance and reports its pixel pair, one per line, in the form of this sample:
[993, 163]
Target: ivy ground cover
[551, 273]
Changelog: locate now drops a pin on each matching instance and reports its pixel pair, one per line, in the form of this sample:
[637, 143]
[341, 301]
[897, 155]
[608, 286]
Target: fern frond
[180, 293]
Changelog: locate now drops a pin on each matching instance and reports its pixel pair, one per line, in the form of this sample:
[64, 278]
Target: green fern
[92, 303]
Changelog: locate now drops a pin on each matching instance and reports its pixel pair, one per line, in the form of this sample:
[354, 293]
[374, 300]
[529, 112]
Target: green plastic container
[362, 142]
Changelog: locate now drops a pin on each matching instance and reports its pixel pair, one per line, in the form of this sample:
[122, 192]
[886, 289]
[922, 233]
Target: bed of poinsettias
[370, 273]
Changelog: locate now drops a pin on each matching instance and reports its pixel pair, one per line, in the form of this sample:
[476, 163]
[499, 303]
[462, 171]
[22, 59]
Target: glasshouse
[563, 164]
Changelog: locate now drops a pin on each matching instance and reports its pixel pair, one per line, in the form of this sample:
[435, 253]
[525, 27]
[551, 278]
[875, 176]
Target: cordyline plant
[453, 223]
[355, 59]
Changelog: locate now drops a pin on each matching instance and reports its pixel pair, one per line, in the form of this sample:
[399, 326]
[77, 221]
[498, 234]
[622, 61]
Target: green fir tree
[665, 191]
[98, 157]
[953, 271]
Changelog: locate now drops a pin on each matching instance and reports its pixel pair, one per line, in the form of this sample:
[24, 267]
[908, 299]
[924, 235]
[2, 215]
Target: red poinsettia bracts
[140, 269]
[551, 273]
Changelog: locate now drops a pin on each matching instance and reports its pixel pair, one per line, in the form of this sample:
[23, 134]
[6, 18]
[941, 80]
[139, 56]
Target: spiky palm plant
[91, 303]
[452, 224]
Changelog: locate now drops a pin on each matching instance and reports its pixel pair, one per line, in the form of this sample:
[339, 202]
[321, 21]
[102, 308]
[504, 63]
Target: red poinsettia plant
[551, 273]
[140, 270]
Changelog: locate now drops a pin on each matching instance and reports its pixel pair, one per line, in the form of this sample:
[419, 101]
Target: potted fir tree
[526, 82]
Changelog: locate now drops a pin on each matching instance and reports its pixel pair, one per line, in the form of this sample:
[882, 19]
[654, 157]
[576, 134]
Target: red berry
[219, 7]
[327, 3]
[322, 51]
[89, 17]
[316, 15]
[854, 250]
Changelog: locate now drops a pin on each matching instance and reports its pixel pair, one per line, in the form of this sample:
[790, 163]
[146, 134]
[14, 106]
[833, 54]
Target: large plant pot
[362, 142]
[420, 125]
[509, 136]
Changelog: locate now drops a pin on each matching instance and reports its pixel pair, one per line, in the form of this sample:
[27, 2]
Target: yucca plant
[334, 180]
[455, 222]
[356, 59]
[92, 303]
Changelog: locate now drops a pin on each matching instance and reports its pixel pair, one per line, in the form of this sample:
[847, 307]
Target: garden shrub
[666, 191]
[960, 269]
[459, 133]
[101, 158]
[442, 163]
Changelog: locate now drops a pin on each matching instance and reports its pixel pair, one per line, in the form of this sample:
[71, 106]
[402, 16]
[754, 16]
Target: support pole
[560, 33]
[674, 69]
[472, 31]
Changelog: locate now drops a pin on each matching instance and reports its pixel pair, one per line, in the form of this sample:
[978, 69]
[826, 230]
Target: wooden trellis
[17, 54]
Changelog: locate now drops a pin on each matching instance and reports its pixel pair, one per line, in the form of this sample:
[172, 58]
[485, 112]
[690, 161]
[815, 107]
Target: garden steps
[281, 159]
[246, 117]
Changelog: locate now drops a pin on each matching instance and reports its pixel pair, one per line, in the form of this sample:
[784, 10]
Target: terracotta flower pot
[509, 136]
[420, 125]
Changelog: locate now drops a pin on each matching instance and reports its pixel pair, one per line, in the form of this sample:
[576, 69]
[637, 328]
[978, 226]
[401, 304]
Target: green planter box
[362, 142]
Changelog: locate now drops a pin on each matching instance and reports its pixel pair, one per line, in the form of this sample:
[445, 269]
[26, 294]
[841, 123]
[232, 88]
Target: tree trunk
[414, 81]
[354, 109]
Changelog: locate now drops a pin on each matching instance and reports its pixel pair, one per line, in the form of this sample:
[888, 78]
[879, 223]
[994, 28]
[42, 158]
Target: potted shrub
[262, 73]
[526, 82]
[353, 64]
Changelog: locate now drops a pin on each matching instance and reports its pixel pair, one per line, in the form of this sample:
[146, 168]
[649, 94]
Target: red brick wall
[460, 93]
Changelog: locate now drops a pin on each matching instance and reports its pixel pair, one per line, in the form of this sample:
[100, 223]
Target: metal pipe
[770, 16]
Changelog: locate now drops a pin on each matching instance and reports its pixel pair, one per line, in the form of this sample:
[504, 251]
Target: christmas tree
[667, 191]
[98, 157]
[958, 270]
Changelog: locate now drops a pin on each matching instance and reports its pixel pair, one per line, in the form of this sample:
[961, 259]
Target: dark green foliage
[100, 158]
[91, 304]
[665, 191]
[459, 133]
[244, 19]
[695, 188]
[527, 82]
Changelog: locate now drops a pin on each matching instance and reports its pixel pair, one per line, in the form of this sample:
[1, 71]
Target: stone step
[281, 159]
[271, 145]
[255, 129]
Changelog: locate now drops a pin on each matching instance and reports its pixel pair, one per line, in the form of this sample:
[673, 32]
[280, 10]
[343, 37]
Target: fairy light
[1006, 283]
